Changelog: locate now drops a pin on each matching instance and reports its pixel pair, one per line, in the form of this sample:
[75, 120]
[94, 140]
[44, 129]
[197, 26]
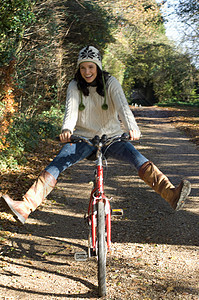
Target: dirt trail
[154, 251]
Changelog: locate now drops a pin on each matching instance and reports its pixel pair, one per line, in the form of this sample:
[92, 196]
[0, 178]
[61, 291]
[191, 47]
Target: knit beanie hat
[90, 54]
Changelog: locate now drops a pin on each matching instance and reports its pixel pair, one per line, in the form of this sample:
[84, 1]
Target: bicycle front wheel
[101, 250]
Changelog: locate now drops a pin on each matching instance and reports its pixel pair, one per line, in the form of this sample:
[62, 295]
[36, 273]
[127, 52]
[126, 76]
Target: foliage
[188, 13]
[144, 59]
[137, 21]
[50, 49]
[15, 15]
[158, 67]
[25, 134]
[7, 103]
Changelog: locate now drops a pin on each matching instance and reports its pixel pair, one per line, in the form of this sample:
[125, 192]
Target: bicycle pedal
[81, 256]
[117, 212]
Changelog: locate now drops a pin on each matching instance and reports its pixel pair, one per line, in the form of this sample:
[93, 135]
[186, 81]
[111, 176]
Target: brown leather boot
[32, 199]
[175, 196]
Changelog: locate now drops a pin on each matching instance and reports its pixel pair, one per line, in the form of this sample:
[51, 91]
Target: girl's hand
[65, 136]
[134, 135]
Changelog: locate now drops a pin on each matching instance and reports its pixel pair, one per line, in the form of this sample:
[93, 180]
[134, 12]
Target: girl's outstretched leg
[32, 199]
[175, 196]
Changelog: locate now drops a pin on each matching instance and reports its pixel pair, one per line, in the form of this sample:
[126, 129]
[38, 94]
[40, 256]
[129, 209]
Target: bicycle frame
[99, 211]
[97, 195]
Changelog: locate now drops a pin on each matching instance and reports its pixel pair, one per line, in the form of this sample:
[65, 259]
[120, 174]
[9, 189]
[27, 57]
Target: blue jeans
[72, 153]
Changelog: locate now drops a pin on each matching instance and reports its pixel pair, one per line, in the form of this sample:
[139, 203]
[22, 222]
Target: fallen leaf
[170, 289]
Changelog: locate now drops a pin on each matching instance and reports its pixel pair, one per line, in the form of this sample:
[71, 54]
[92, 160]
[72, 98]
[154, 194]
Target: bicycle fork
[92, 222]
[97, 195]
[92, 227]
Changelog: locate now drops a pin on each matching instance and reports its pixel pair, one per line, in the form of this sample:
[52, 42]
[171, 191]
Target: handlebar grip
[125, 136]
[104, 138]
[73, 139]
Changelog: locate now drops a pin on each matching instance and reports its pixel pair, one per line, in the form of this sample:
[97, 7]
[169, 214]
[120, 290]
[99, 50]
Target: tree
[188, 13]
[143, 58]
[15, 15]
[7, 103]
[137, 21]
[50, 49]
[158, 73]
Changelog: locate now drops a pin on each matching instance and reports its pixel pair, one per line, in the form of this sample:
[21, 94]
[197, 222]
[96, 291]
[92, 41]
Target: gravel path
[154, 251]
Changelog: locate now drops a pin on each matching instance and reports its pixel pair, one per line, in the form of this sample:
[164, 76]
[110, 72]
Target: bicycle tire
[101, 250]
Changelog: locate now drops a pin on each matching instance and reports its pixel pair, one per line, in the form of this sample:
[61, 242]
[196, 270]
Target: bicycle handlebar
[96, 141]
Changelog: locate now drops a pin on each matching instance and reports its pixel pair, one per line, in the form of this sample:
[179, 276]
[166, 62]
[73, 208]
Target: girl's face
[88, 71]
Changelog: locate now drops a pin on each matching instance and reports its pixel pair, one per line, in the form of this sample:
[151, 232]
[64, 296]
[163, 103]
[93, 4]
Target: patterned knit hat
[90, 54]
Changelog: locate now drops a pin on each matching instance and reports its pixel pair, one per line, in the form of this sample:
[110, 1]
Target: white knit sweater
[93, 120]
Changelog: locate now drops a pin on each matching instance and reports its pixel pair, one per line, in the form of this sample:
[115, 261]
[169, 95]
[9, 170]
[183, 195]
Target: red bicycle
[99, 210]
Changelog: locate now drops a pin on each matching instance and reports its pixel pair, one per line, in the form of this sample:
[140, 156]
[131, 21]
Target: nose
[87, 71]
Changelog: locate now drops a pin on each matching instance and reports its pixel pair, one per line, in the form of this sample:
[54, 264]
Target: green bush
[26, 133]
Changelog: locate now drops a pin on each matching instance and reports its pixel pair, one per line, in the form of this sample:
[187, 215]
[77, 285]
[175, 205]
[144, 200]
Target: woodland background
[39, 44]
